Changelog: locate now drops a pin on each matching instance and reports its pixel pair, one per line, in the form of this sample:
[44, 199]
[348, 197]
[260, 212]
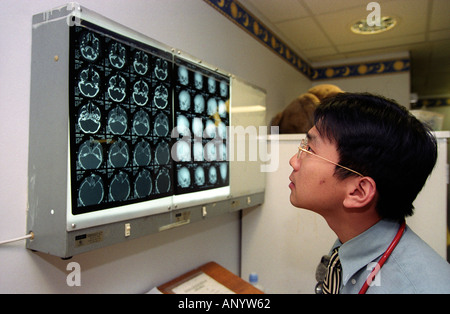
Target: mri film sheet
[120, 120]
[201, 118]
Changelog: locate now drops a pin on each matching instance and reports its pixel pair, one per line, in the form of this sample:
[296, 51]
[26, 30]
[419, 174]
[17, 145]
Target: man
[361, 167]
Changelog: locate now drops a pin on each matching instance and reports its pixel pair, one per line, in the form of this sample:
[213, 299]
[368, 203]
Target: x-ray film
[126, 99]
[201, 100]
[121, 117]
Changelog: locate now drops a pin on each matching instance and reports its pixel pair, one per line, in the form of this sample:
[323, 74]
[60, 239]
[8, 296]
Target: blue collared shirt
[413, 267]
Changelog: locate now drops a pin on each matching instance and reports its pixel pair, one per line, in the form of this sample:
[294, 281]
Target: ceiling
[319, 31]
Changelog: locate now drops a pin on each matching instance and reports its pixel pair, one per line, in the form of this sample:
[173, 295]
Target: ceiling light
[361, 26]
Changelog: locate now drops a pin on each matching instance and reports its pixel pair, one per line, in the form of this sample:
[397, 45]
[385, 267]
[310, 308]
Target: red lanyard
[383, 259]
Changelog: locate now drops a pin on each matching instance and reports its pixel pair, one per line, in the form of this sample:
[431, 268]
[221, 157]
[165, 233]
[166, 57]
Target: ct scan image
[120, 120]
[201, 99]
[126, 99]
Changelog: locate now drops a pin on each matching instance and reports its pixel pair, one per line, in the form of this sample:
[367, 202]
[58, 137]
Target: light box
[127, 135]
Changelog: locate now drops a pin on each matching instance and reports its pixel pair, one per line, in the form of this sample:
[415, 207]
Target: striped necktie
[332, 280]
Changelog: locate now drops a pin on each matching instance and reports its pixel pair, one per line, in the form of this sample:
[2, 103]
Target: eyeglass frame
[302, 148]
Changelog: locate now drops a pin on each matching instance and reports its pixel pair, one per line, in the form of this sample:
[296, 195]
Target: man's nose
[294, 162]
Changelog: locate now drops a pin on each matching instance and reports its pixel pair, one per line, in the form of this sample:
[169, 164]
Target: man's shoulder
[418, 266]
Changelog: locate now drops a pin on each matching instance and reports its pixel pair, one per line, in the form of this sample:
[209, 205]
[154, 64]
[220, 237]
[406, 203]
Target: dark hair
[383, 140]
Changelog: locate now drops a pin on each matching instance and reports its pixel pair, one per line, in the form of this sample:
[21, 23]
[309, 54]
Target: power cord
[28, 236]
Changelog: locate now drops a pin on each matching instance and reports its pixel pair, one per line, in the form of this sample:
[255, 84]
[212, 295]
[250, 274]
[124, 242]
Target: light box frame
[58, 230]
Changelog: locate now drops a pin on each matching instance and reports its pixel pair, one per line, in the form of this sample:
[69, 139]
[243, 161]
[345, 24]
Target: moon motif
[381, 69]
[234, 10]
[266, 36]
[346, 72]
[273, 42]
[256, 28]
[246, 21]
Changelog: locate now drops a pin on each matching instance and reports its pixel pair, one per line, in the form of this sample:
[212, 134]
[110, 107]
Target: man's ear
[360, 192]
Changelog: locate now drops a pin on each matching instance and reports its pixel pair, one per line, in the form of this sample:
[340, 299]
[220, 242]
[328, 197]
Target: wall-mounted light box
[128, 136]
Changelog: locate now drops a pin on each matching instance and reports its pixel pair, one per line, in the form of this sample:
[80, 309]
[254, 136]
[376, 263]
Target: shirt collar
[365, 248]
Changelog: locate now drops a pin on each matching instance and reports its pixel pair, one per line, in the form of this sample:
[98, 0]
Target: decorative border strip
[431, 102]
[239, 15]
[235, 12]
[361, 69]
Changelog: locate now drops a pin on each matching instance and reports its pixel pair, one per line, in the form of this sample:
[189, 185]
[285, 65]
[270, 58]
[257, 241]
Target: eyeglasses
[304, 148]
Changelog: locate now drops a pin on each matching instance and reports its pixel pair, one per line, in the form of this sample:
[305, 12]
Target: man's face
[313, 185]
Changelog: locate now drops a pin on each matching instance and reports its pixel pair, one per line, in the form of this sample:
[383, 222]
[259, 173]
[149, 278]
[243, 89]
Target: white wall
[394, 85]
[136, 266]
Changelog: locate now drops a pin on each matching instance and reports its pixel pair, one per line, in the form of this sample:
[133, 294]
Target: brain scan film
[201, 118]
[117, 55]
[162, 153]
[161, 69]
[141, 123]
[210, 129]
[117, 87]
[198, 80]
[183, 151]
[118, 154]
[199, 176]
[211, 106]
[184, 99]
[223, 168]
[163, 181]
[161, 97]
[142, 154]
[141, 62]
[90, 154]
[119, 187]
[89, 118]
[198, 151]
[224, 89]
[161, 125]
[117, 121]
[120, 117]
[184, 177]
[183, 126]
[89, 82]
[199, 104]
[183, 75]
[91, 191]
[140, 92]
[197, 127]
[211, 85]
[90, 46]
[212, 175]
[143, 184]
[126, 98]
